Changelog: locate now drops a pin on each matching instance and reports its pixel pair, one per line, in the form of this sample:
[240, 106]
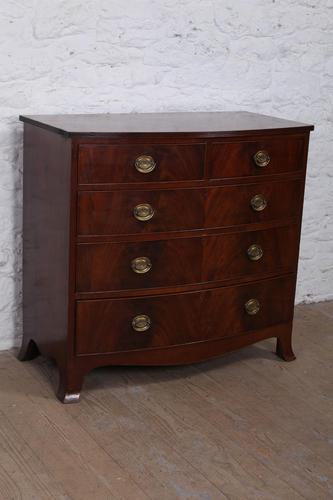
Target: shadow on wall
[11, 144]
[17, 234]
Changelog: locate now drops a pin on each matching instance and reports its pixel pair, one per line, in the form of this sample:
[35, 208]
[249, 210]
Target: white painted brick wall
[269, 56]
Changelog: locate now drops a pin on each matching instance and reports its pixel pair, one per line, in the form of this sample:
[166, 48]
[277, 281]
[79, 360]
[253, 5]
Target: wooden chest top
[209, 124]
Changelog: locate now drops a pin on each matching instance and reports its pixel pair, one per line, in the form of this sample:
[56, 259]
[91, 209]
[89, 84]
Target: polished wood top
[216, 124]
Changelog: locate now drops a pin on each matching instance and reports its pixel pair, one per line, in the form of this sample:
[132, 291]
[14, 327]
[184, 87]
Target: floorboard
[246, 426]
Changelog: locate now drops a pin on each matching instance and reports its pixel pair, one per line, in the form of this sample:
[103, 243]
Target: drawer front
[255, 158]
[115, 212]
[122, 266]
[125, 324]
[140, 163]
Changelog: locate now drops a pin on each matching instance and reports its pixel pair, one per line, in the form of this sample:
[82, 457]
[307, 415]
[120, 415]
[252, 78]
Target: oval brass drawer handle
[141, 323]
[145, 164]
[252, 307]
[141, 265]
[261, 158]
[143, 212]
[258, 203]
[255, 252]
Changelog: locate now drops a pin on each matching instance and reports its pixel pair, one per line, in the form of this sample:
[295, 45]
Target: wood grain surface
[196, 124]
[235, 159]
[111, 212]
[180, 261]
[182, 318]
[116, 163]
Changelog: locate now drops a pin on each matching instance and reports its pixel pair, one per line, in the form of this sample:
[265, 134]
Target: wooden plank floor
[246, 426]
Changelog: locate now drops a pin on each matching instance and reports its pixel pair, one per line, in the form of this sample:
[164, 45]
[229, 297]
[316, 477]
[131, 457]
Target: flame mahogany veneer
[224, 193]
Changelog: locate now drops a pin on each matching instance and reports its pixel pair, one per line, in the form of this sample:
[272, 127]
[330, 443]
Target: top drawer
[264, 156]
[99, 164]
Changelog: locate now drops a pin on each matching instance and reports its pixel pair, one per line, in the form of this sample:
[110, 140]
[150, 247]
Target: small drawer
[144, 212]
[102, 164]
[143, 323]
[264, 156]
[105, 267]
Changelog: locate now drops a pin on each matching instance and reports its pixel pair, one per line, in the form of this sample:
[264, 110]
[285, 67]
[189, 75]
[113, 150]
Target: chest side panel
[46, 237]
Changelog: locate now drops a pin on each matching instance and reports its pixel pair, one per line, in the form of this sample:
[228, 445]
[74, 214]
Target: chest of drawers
[158, 239]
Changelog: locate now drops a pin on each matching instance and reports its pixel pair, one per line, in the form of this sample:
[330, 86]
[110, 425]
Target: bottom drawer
[104, 326]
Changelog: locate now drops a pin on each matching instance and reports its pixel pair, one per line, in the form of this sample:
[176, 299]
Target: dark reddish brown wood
[106, 213]
[47, 305]
[116, 163]
[197, 241]
[226, 256]
[151, 186]
[106, 325]
[235, 159]
[112, 212]
[223, 124]
[185, 353]
[283, 347]
[47, 171]
[107, 266]
[103, 238]
[230, 205]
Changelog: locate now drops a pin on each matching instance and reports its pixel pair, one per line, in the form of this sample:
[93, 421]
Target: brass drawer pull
[261, 158]
[141, 323]
[141, 265]
[258, 203]
[255, 252]
[252, 307]
[145, 164]
[143, 212]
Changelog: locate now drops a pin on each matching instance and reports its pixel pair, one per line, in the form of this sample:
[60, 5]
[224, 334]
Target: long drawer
[136, 265]
[124, 324]
[145, 211]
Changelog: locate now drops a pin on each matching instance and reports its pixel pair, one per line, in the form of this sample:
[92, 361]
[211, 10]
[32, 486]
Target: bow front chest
[158, 239]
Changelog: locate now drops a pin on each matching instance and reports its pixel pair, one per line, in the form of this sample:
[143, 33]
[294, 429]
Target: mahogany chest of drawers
[158, 239]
